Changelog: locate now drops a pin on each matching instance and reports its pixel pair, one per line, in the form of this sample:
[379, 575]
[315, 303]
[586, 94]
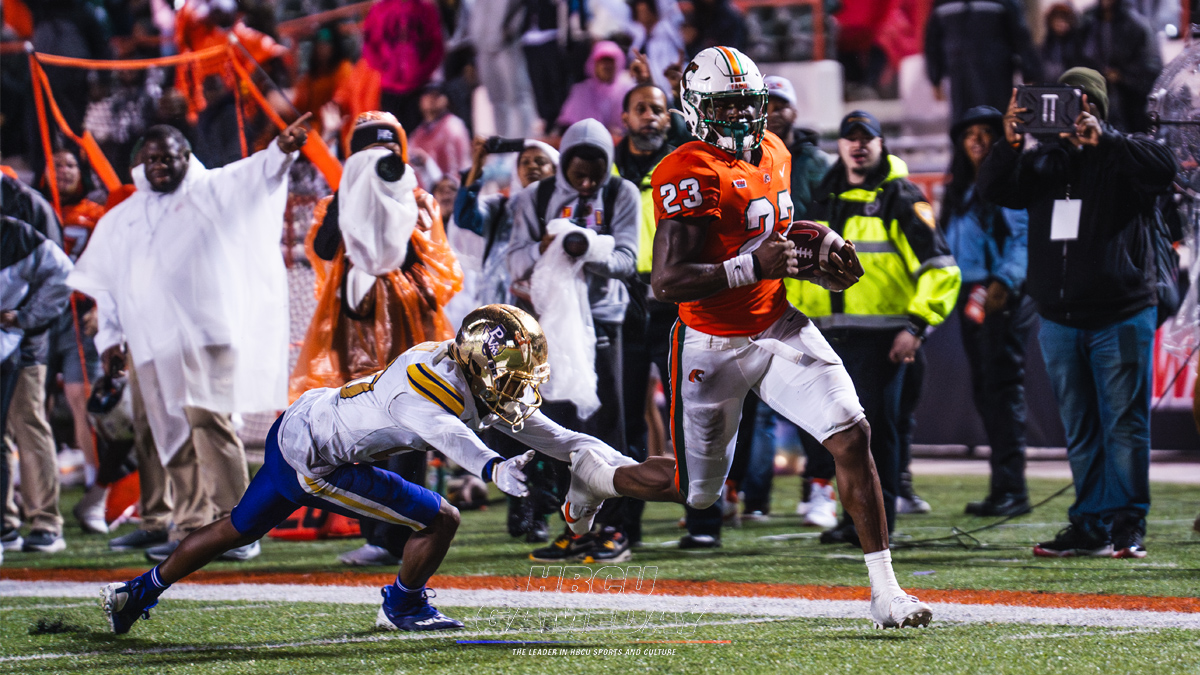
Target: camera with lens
[497, 145]
[390, 168]
[1049, 110]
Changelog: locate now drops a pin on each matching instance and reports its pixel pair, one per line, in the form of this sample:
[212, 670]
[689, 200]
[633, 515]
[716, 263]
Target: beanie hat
[376, 126]
[1092, 83]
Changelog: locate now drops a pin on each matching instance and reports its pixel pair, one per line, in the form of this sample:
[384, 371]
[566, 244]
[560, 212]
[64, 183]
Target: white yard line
[380, 637]
[511, 603]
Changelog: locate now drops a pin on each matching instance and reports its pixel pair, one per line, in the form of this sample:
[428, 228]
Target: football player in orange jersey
[722, 205]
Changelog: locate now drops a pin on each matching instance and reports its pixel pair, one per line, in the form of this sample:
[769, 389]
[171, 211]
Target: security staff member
[911, 283]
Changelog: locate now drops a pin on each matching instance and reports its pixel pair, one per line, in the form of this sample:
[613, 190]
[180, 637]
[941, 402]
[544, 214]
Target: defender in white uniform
[434, 396]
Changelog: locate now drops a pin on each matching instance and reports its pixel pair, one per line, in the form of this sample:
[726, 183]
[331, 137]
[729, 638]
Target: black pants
[643, 344]
[411, 467]
[406, 108]
[549, 75]
[996, 353]
[606, 424]
[910, 397]
[879, 383]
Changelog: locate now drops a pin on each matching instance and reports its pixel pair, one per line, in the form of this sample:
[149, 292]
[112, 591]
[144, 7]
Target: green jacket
[910, 278]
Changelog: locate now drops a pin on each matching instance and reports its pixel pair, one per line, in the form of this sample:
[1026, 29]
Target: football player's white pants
[789, 366]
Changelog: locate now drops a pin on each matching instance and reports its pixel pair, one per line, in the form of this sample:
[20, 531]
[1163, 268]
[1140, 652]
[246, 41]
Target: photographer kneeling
[1090, 195]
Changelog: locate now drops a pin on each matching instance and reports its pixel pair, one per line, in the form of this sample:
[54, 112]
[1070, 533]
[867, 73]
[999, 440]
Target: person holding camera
[584, 192]
[385, 273]
[1090, 192]
[491, 217]
[989, 243]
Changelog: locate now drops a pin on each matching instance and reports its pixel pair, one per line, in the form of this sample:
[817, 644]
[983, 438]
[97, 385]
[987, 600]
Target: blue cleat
[411, 611]
[126, 602]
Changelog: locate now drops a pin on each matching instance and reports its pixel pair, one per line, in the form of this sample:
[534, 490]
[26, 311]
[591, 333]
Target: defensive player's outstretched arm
[676, 278]
[652, 480]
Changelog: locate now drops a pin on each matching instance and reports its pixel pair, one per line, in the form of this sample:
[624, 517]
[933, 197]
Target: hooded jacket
[1106, 274]
[606, 288]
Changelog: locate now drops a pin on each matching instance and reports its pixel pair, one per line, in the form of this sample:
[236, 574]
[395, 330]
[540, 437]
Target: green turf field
[207, 637]
[1001, 560]
[189, 636]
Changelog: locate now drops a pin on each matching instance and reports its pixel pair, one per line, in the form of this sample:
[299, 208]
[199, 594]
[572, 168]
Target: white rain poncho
[193, 281]
[559, 291]
[376, 217]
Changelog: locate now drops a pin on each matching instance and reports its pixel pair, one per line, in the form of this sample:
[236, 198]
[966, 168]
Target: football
[814, 242]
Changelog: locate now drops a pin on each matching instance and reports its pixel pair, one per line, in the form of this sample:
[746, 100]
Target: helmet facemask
[502, 351]
[731, 136]
[715, 75]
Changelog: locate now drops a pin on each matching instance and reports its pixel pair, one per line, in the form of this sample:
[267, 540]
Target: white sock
[879, 569]
[604, 482]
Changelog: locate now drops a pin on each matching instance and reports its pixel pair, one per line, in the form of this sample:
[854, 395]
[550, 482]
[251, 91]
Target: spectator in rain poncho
[187, 272]
[384, 274]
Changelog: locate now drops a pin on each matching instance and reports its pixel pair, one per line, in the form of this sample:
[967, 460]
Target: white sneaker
[581, 506]
[912, 505]
[12, 541]
[90, 510]
[368, 556]
[241, 553]
[822, 507]
[899, 611]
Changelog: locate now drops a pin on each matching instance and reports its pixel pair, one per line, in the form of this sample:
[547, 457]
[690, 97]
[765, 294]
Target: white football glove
[509, 477]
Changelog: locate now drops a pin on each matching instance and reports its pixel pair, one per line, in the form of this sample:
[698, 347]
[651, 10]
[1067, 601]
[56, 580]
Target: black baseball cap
[859, 119]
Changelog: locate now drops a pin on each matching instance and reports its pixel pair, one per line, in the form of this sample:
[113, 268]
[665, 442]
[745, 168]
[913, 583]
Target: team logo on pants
[696, 376]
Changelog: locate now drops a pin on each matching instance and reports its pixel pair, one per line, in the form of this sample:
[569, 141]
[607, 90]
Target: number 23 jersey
[746, 204]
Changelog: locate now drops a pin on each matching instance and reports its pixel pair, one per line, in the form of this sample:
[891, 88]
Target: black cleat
[566, 548]
[1071, 542]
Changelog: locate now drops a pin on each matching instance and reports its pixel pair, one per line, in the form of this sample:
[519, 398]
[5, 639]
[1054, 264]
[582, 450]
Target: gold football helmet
[502, 351]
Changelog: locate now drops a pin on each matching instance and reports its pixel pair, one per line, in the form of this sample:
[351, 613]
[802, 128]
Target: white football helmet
[722, 72]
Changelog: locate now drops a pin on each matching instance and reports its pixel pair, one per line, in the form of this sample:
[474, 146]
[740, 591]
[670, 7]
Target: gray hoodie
[606, 290]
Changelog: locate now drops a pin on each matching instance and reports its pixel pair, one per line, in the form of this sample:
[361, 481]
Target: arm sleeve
[935, 67]
[927, 257]
[523, 243]
[264, 173]
[445, 432]
[469, 213]
[622, 262]
[46, 271]
[1014, 263]
[109, 333]
[328, 236]
[1147, 164]
[1029, 62]
[432, 46]
[548, 437]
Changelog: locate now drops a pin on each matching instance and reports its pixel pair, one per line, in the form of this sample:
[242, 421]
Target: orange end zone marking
[673, 587]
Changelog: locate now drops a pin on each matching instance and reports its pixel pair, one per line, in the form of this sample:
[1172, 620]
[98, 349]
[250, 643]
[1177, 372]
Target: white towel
[559, 291]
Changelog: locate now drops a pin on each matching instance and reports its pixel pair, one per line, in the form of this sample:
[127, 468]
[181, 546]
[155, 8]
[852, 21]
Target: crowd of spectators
[596, 81]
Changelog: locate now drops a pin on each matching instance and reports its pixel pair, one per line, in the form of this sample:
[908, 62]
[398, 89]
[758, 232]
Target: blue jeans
[760, 467]
[1101, 379]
